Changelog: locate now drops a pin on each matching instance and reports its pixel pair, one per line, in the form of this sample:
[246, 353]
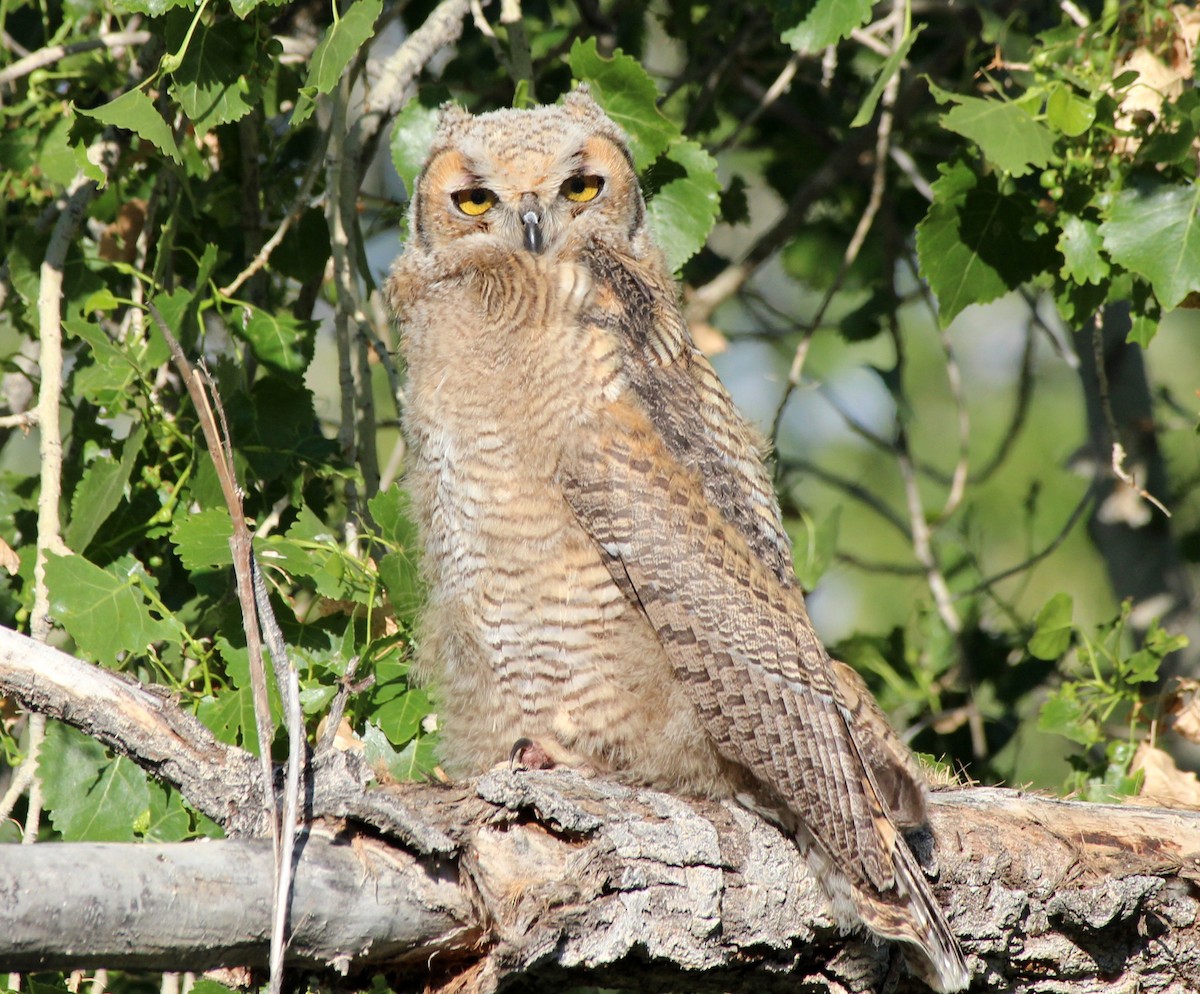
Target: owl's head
[530, 177]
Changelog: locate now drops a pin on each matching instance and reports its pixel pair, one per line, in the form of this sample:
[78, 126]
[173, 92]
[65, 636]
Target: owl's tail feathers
[913, 918]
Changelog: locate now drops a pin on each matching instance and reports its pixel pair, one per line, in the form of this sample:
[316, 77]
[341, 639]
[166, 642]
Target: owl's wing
[636, 300]
[741, 642]
[699, 425]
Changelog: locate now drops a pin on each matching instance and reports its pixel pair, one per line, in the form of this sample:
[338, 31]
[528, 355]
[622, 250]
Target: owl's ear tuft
[451, 116]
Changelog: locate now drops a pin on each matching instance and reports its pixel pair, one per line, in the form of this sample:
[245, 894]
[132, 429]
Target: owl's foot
[528, 754]
[574, 286]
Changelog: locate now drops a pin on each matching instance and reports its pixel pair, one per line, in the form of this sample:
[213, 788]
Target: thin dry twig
[1110, 421]
[340, 218]
[49, 525]
[258, 621]
[883, 136]
[1073, 519]
[25, 420]
[52, 53]
[299, 205]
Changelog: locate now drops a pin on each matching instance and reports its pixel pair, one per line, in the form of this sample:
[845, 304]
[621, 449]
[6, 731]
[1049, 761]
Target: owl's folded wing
[759, 678]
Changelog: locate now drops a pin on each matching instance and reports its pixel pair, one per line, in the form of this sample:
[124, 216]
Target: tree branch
[550, 879]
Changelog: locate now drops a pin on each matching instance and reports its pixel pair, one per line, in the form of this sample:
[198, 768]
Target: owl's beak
[533, 231]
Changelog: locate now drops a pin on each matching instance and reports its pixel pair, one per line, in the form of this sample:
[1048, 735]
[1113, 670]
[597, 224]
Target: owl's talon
[575, 284]
[527, 754]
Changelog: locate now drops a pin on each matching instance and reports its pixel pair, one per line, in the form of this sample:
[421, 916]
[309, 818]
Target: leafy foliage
[1106, 689]
[820, 173]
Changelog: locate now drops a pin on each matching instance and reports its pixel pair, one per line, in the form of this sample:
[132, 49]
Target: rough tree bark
[540, 880]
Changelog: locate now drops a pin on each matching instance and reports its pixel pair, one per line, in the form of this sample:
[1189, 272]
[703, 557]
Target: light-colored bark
[547, 879]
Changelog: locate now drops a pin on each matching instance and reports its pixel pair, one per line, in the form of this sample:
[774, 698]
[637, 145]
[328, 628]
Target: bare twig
[298, 206]
[849, 488]
[878, 186]
[777, 89]
[25, 420]
[340, 218]
[257, 619]
[239, 543]
[289, 689]
[1072, 520]
[1110, 422]
[49, 533]
[52, 53]
[389, 91]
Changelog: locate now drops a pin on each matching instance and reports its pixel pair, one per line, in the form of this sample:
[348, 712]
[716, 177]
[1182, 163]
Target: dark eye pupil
[578, 185]
[478, 197]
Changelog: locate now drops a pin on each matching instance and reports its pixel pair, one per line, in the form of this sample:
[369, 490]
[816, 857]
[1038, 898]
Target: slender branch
[883, 137]
[288, 682]
[1077, 512]
[779, 86]
[390, 89]
[301, 202]
[339, 218]
[849, 487]
[25, 420]
[51, 54]
[239, 543]
[701, 301]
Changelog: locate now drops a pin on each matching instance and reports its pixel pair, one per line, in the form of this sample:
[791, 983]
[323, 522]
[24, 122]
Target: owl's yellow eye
[475, 201]
[581, 189]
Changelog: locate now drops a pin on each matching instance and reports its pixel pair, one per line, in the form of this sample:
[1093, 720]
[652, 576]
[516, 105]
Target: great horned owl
[608, 573]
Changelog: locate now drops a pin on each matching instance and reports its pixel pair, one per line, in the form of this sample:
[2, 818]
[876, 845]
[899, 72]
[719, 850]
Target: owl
[609, 581]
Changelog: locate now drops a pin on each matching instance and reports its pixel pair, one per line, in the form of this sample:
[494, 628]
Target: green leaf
[412, 135]
[341, 43]
[813, 556]
[230, 717]
[1142, 666]
[57, 157]
[100, 491]
[628, 95]
[414, 761]
[212, 84]
[683, 212]
[391, 511]
[1064, 714]
[971, 243]
[279, 339]
[104, 611]
[401, 579]
[1079, 243]
[1154, 230]
[155, 8]
[243, 8]
[1005, 132]
[827, 23]
[107, 379]
[1068, 113]
[890, 68]
[135, 112]
[400, 718]
[167, 819]
[202, 539]
[1052, 636]
[1142, 329]
[89, 795]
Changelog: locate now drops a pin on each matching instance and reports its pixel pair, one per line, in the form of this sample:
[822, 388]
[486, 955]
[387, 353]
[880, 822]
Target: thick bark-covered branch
[534, 880]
